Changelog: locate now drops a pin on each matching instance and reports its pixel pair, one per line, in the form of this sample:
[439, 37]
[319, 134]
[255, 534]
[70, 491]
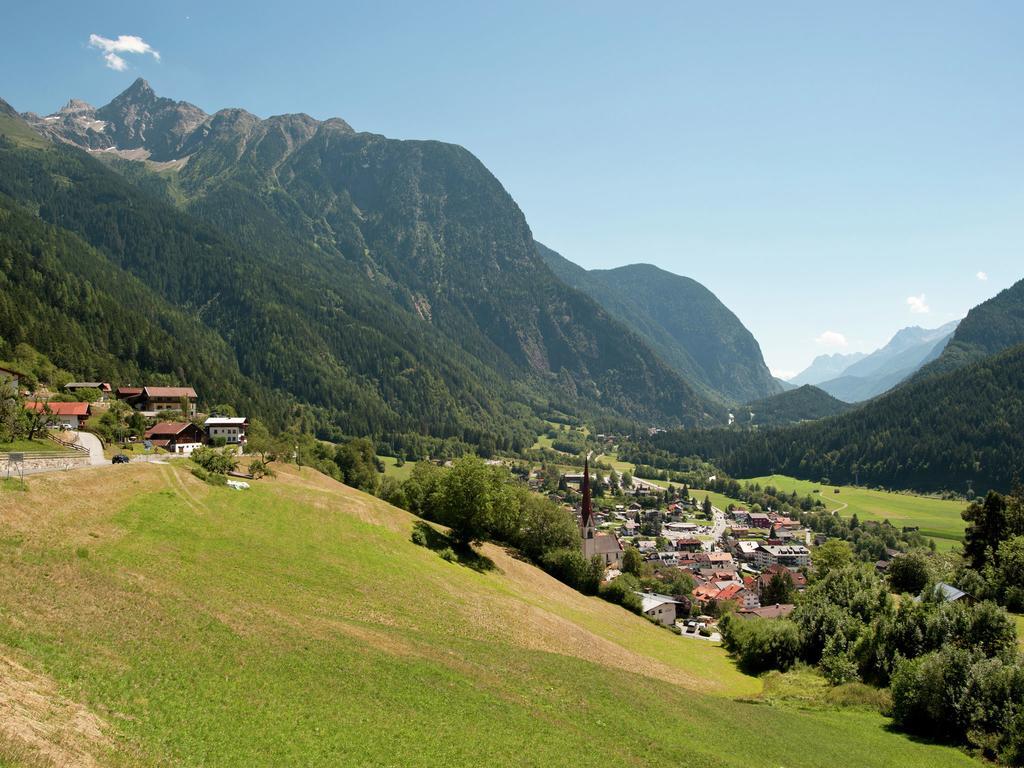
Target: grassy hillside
[937, 518]
[148, 618]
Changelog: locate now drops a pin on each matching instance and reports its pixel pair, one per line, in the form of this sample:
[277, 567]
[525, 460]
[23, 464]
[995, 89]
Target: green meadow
[147, 618]
[392, 469]
[937, 518]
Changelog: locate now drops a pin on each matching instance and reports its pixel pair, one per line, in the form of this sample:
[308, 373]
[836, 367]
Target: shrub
[448, 554]
[761, 644]
[418, 537]
[909, 573]
[259, 468]
[927, 693]
[217, 462]
[622, 591]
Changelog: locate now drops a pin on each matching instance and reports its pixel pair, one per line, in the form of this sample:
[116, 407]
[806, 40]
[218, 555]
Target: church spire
[586, 512]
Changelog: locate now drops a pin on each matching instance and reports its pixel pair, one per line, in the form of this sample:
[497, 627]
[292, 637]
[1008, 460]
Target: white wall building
[232, 429]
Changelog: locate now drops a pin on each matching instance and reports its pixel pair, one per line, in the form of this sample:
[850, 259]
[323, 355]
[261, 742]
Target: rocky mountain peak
[139, 119]
[76, 106]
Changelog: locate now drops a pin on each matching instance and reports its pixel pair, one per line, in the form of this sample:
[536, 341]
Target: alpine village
[311, 455]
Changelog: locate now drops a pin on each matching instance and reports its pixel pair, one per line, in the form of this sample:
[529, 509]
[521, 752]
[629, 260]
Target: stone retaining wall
[49, 464]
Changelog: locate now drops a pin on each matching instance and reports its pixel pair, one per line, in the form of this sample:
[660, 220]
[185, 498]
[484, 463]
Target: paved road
[90, 441]
[718, 529]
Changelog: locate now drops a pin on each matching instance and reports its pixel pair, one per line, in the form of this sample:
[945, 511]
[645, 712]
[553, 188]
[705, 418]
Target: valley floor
[147, 618]
[937, 518]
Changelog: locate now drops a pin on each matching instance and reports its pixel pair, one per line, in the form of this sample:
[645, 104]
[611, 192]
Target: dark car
[120, 458]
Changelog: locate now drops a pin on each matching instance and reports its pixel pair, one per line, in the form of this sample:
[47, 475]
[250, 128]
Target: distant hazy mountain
[684, 322]
[884, 368]
[825, 367]
[804, 403]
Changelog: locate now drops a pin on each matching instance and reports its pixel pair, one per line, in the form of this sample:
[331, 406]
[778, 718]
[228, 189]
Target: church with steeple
[605, 545]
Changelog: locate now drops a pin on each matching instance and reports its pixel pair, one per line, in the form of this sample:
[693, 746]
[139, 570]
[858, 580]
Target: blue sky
[816, 166]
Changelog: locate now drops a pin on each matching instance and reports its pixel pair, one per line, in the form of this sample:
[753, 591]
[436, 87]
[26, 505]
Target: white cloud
[983, 276]
[918, 305]
[123, 44]
[832, 340]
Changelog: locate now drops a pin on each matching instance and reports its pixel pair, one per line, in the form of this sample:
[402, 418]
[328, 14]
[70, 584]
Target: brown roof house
[181, 437]
[151, 400]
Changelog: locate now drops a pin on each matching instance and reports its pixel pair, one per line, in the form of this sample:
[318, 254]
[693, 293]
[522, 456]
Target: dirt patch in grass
[45, 726]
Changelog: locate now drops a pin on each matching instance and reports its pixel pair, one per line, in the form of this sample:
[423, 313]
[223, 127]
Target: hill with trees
[955, 431]
[805, 403]
[683, 322]
[989, 328]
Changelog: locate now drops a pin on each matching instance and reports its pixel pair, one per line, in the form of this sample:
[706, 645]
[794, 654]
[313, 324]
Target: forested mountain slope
[805, 403]
[990, 327]
[961, 430]
[391, 286]
[682, 320]
[70, 302]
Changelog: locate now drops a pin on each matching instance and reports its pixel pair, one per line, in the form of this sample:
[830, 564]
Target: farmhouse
[948, 593]
[151, 400]
[181, 437]
[102, 386]
[764, 580]
[72, 415]
[232, 429]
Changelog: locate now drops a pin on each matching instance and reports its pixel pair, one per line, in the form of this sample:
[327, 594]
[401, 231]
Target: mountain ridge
[358, 228]
[905, 353]
[682, 320]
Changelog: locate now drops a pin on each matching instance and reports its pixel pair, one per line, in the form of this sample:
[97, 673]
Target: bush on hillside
[216, 462]
[623, 591]
[760, 645]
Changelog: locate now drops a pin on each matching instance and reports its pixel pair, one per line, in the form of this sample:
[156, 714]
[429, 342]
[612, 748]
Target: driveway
[90, 441]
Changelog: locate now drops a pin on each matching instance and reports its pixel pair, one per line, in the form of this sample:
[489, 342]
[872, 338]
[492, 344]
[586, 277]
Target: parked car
[120, 458]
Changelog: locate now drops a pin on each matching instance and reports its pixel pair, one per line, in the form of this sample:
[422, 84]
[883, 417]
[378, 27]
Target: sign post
[16, 460]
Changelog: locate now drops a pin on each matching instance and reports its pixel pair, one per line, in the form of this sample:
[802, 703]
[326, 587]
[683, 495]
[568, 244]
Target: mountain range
[364, 285]
[956, 424]
[826, 367]
[856, 377]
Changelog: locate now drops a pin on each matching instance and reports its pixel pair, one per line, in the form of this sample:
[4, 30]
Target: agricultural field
[148, 618]
[612, 460]
[392, 469]
[717, 499]
[937, 518]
